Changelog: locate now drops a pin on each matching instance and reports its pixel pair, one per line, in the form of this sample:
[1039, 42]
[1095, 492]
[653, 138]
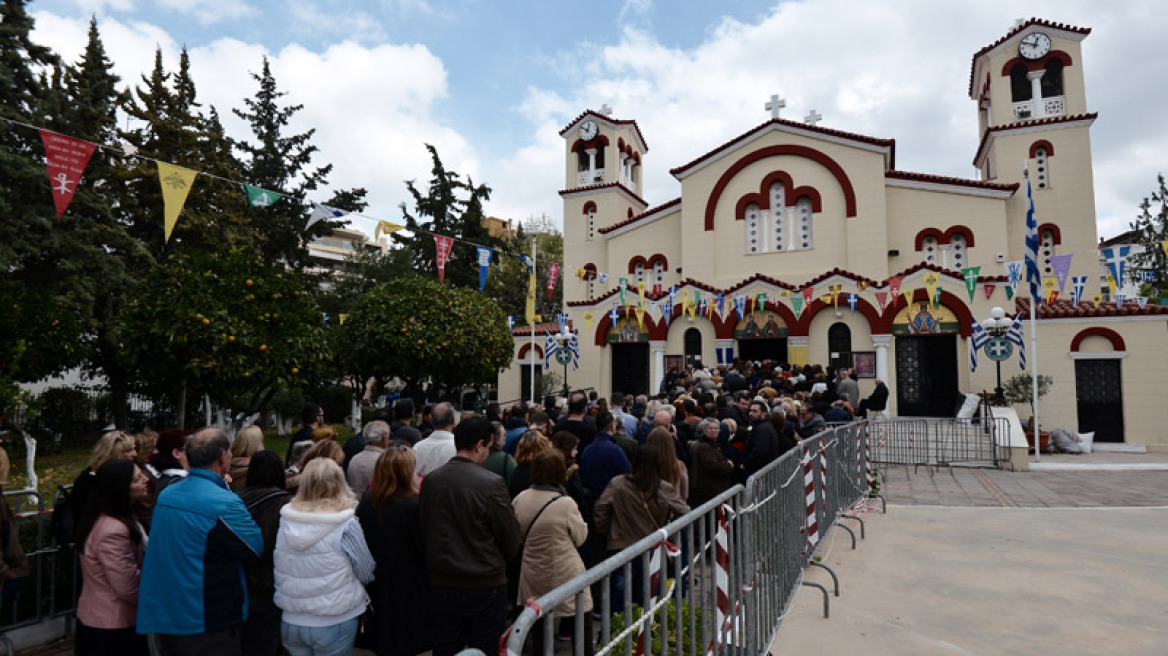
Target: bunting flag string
[553, 274]
[257, 197]
[66, 160]
[442, 245]
[894, 288]
[484, 258]
[1078, 286]
[1061, 264]
[970, 274]
[852, 300]
[989, 289]
[882, 299]
[322, 212]
[932, 284]
[176, 185]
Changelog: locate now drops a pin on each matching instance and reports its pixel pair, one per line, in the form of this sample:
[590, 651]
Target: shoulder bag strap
[536, 518]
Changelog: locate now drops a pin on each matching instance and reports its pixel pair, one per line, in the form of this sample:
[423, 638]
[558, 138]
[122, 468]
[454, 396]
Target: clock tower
[1032, 115]
[602, 187]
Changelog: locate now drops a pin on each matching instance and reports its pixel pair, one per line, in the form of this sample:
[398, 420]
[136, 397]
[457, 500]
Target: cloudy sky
[491, 83]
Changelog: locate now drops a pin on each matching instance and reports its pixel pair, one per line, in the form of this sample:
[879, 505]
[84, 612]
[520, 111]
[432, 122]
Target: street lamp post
[998, 348]
[564, 355]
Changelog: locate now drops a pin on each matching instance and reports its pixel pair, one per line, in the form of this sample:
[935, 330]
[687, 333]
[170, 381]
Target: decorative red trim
[875, 141]
[653, 259]
[1041, 143]
[951, 301]
[638, 259]
[1055, 234]
[740, 206]
[589, 207]
[1036, 64]
[607, 185]
[806, 192]
[724, 329]
[919, 243]
[526, 348]
[965, 230]
[647, 213]
[943, 179]
[605, 324]
[590, 271]
[1018, 125]
[1115, 338]
[629, 214]
[580, 145]
[862, 305]
[620, 143]
[827, 162]
[1033, 21]
[610, 121]
[764, 188]
[637, 158]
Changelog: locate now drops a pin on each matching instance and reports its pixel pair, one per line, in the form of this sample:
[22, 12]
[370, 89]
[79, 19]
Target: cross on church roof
[605, 109]
[775, 105]
[813, 118]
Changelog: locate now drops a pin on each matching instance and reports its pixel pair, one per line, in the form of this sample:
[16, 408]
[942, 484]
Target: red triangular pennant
[66, 158]
[443, 245]
[553, 274]
[989, 290]
[882, 299]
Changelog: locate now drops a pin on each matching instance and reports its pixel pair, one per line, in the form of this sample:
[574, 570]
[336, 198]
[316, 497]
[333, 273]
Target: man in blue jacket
[193, 596]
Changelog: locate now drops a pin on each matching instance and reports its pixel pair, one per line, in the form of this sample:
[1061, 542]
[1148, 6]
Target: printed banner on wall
[66, 158]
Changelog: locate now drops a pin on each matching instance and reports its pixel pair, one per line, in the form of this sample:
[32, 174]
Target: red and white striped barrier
[673, 551]
[823, 470]
[811, 523]
[868, 459]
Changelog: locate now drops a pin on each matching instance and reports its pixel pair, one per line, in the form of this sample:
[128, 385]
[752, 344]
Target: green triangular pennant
[797, 303]
[257, 197]
[970, 274]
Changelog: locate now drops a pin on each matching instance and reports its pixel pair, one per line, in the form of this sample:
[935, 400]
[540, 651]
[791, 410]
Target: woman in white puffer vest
[322, 564]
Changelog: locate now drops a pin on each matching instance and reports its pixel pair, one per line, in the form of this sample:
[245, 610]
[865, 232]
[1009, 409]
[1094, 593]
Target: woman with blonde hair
[328, 449]
[322, 564]
[673, 470]
[145, 442]
[389, 514]
[248, 442]
[532, 443]
[114, 445]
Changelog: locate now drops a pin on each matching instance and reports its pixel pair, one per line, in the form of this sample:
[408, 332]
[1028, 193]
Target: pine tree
[450, 215]
[282, 163]
[1151, 231]
[25, 197]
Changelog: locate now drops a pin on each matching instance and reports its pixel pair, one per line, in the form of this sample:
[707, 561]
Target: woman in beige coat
[552, 528]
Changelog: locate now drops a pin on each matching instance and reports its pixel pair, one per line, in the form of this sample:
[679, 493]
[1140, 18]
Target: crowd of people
[418, 533]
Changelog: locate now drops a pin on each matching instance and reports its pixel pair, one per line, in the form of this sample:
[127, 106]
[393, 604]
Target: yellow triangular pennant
[176, 184]
[931, 282]
[588, 316]
[386, 227]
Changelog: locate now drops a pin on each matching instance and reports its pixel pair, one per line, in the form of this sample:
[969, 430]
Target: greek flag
[1032, 275]
[1014, 334]
[562, 320]
[978, 339]
[550, 346]
[1116, 258]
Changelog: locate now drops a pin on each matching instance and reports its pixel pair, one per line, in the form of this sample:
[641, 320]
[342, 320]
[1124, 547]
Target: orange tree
[227, 325]
[417, 329]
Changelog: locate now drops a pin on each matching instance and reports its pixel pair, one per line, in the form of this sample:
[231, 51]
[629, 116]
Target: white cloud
[208, 12]
[314, 20]
[893, 70]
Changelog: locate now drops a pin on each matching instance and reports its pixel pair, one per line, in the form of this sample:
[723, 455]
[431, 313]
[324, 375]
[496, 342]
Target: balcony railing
[585, 178]
[1053, 106]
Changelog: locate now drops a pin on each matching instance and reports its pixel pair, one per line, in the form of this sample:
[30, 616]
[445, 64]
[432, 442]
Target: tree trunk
[120, 393]
[180, 405]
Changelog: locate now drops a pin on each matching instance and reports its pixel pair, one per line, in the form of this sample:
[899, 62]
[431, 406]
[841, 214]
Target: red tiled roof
[875, 141]
[1064, 309]
[1009, 35]
[1127, 237]
[949, 272]
[942, 179]
[633, 219]
[589, 112]
[564, 192]
[549, 328]
[985, 137]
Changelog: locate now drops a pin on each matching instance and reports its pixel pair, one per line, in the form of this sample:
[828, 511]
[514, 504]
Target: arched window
[957, 248]
[658, 275]
[839, 346]
[1047, 252]
[590, 219]
[804, 237]
[590, 281]
[1041, 167]
[693, 345]
[778, 196]
[929, 249]
[1052, 79]
[1019, 84]
[754, 230]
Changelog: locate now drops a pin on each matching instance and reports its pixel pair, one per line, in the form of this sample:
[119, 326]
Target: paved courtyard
[974, 561]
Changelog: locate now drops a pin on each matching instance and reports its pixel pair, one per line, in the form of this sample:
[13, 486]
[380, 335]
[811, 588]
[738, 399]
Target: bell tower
[602, 187]
[1032, 116]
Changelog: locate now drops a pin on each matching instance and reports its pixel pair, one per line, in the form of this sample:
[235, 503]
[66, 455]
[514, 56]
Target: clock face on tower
[1034, 46]
[588, 130]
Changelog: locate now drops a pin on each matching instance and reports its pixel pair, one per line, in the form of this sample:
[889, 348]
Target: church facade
[803, 244]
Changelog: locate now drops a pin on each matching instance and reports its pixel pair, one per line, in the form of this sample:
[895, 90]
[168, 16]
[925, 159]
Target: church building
[803, 244]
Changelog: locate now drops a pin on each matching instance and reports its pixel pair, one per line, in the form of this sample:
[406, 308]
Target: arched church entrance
[926, 360]
[762, 335]
[629, 349]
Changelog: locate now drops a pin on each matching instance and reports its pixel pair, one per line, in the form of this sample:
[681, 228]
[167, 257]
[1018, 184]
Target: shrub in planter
[686, 643]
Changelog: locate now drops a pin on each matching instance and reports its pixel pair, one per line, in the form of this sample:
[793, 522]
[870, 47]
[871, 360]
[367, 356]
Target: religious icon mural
[627, 330]
[921, 318]
[761, 325]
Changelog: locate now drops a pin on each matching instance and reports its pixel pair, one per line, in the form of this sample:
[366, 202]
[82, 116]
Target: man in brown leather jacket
[471, 533]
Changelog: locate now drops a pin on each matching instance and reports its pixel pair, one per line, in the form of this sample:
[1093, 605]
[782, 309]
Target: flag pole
[534, 244]
[1032, 270]
[1034, 377]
